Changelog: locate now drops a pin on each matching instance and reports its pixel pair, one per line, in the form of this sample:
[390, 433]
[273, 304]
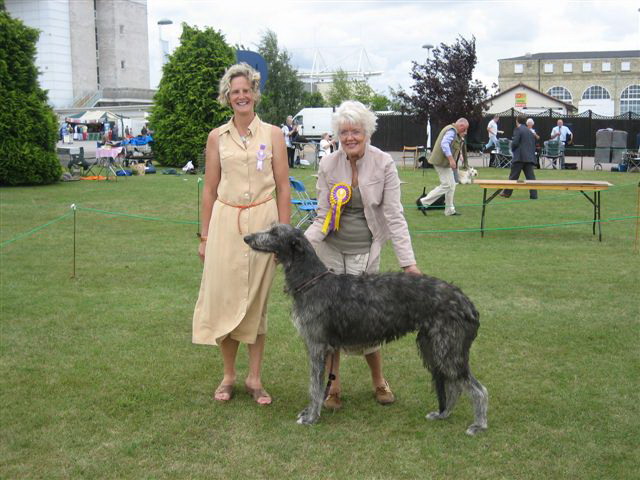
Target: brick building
[608, 83]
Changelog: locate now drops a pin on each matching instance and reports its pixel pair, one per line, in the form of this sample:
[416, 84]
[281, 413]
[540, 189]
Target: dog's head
[473, 172]
[283, 240]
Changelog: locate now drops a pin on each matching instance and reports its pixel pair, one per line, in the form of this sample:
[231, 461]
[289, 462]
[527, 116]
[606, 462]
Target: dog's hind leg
[480, 399]
[317, 356]
[451, 392]
[439, 385]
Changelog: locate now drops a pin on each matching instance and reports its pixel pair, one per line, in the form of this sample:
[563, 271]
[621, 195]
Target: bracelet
[203, 238]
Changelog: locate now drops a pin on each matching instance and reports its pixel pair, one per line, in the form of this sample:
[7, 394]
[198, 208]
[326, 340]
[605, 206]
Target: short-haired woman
[362, 182]
[246, 162]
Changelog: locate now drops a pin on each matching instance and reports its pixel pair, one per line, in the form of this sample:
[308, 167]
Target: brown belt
[244, 207]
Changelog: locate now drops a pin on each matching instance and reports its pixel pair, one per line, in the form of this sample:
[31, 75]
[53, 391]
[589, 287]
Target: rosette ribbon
[261, 155]
[339, 195]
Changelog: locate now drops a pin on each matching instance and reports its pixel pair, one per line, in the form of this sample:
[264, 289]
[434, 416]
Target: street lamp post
[428, 46]
[164, 44]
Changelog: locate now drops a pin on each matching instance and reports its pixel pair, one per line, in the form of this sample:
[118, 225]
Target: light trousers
[447, 187]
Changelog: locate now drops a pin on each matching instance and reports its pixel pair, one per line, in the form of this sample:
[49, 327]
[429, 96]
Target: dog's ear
[296, 242]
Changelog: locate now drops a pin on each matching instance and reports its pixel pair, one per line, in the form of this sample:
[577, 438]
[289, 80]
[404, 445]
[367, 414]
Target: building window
[596, 92]
[518, 68]
[586, 67]
[606, 66]
[630, 99]
[121, 63]
[625, 66]
[567, 68]
[561, 94]
[548, 68]
[121, 29]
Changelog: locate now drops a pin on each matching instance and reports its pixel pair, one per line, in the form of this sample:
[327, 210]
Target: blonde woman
[246, 189]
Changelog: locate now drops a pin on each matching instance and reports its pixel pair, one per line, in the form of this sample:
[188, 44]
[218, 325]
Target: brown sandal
[257, 394]
[333, 402]
[223, 390]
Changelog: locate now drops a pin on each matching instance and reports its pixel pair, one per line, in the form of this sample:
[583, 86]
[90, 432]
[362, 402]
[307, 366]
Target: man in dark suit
[523, 147]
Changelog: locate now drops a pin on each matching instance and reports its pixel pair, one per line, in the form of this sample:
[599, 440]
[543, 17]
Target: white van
[314, 121]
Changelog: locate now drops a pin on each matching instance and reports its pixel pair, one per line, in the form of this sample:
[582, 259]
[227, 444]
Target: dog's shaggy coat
[333, 311]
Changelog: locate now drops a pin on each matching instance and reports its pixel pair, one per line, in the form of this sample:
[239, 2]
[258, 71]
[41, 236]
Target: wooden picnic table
[574, 185]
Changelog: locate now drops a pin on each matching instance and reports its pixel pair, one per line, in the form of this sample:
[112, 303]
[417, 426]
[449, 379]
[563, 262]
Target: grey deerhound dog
[332, 311]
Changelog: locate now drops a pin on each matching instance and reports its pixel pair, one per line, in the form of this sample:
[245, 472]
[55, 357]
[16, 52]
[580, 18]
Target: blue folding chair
[306, 207]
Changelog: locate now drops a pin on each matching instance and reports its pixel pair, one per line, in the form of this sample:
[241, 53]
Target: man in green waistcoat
[447, 148]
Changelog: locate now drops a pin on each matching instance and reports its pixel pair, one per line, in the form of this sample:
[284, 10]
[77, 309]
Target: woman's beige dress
[236, 279]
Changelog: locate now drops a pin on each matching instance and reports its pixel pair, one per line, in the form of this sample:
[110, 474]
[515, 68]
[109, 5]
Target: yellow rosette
[339, 195]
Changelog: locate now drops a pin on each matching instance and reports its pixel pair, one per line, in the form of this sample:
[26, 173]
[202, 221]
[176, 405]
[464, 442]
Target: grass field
[99, 378]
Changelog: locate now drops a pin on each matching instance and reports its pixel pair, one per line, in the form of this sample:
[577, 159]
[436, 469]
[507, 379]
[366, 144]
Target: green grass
[99, 378]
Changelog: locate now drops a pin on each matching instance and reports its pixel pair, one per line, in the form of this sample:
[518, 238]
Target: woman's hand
[201, 249]
[412, 269]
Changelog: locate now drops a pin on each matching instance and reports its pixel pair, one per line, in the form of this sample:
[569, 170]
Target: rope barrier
[526, 227]
[75, 207]
[34, 230]
[134, 215]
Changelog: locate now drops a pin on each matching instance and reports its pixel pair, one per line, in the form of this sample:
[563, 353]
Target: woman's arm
[396, 222]
[210, 190]
[280, 166]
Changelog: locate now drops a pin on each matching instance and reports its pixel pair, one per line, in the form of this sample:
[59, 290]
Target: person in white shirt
[492, 130]
[530, 124]
[326, 145]
[561, 131]
[564, 135]
[289, 131]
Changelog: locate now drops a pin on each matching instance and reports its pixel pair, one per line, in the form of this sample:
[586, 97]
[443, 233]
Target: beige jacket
[380, 190]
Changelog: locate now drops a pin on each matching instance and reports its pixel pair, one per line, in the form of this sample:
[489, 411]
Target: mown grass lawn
[99, 378]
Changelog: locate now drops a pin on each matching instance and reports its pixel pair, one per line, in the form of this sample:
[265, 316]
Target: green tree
[314, 99]
[283, 93]
[186, 106]
[361, 92]
[28, 126]
[340, 89]
[344, 89]
[379, 102]
[397, 100]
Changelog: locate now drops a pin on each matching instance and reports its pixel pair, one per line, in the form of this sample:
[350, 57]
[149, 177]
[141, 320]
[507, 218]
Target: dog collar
[309, 283]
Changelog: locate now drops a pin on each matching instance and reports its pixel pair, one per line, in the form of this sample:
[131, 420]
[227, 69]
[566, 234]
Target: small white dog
[466, 176]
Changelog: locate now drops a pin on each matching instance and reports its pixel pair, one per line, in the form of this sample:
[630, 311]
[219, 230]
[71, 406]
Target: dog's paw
[435, 416]
[474, 429]
[307, 417]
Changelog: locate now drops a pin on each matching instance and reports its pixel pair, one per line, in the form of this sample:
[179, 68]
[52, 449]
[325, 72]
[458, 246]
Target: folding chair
[78, 165]
[409, 152]
[504, 156]
[551, 152]
[632, 161]
[306, 207]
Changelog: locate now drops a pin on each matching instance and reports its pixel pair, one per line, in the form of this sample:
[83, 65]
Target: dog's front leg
[311, 414]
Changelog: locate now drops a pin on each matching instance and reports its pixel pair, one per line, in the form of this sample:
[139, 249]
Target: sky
[390, 34]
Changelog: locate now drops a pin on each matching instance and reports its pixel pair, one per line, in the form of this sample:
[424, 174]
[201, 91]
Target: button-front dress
[236, 279]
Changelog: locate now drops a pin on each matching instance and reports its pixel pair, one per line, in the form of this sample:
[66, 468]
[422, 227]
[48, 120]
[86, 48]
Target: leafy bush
[28, 127]
[186, 106]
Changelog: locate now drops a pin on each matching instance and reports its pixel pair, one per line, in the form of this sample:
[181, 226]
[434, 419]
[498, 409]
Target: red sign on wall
[521, 100]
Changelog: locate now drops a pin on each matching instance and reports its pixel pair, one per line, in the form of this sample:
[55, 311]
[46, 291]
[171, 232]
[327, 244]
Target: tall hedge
[186, 106]
[28, 126]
